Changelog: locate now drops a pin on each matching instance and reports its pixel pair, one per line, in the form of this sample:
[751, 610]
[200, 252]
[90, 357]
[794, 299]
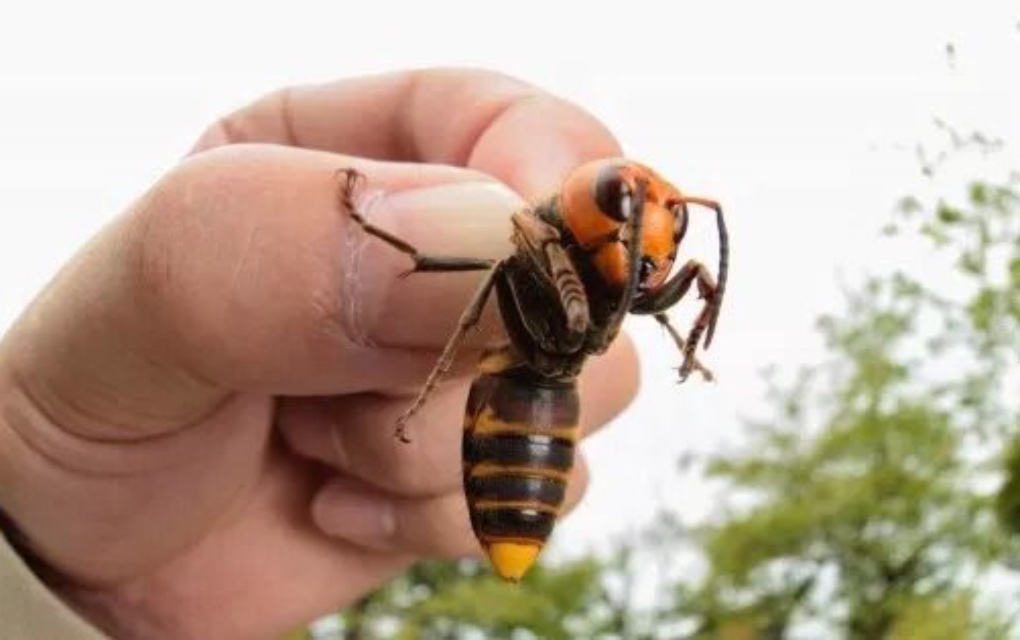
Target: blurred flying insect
[602, 247]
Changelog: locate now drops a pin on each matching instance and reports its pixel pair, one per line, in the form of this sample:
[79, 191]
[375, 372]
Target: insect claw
[417, 268]
[350, 180]
[689, 366]
[684, 372]
[401, 429]
[401, 433]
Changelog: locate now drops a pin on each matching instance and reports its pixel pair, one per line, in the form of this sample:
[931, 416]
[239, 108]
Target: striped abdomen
[519, 435]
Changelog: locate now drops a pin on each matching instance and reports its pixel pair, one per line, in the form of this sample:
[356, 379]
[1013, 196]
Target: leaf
[948, 215]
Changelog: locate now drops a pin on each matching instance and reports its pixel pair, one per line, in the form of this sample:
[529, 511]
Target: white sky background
[801, 117]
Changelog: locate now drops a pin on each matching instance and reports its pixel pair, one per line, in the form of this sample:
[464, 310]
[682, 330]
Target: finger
[267, 540]
[434, 526]
[354, 434]
[479, 119]
[240, 271]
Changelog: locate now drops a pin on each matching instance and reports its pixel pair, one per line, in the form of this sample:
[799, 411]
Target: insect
[602, 247]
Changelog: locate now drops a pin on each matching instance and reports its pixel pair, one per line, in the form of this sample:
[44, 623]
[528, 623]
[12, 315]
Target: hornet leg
[467, 321]
[349, 181]
[671, 293]
[691, 365]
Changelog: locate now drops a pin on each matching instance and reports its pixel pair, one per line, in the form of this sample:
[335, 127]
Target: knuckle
[423, 468]
[471, 76]
[327, 317]
[419, 471]
[157, 228]
[166, 223]
[266, 119]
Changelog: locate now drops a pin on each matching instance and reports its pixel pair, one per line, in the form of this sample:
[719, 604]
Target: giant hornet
[585, 257]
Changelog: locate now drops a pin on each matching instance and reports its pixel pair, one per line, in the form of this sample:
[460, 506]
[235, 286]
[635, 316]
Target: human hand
[196, 431]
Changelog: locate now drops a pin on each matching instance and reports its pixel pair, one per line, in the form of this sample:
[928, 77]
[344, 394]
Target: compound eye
[612, 193]
[679, 210]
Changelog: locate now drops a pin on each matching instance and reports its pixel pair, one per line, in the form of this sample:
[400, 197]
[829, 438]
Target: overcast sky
[801, 117]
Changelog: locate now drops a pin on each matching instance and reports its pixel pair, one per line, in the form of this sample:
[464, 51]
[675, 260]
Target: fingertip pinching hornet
[600, 248]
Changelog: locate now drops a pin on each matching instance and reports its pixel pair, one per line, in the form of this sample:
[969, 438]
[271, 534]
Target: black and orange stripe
[520, 430]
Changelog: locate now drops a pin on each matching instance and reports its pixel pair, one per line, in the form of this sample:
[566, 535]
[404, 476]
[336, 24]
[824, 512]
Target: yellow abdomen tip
[512, 559]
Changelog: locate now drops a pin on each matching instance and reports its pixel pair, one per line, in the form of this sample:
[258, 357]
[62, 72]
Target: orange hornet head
[596, 202]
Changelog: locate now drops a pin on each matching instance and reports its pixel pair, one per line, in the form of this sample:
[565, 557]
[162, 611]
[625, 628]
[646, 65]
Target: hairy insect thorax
[603, 294]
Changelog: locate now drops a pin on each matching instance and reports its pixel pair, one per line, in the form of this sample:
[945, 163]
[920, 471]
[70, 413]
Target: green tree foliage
[464, 600]
[867, 505]
[861, 505]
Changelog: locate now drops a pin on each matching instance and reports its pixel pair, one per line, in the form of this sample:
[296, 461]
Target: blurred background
[848, 475]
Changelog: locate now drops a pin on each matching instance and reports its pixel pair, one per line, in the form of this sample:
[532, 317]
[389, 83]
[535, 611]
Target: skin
[196, 438]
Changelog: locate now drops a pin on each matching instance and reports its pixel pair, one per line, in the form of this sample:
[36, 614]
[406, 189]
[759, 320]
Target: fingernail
[342, 511]
[464, 218]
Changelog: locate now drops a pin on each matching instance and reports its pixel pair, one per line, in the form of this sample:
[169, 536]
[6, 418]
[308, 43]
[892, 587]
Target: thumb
[240, 271]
